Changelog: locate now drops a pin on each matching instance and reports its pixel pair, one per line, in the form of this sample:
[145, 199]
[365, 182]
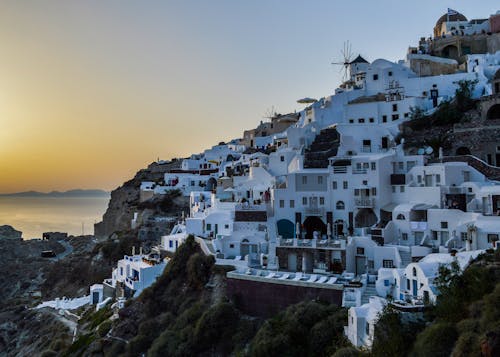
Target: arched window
[414, 272]
[340, 205]
[401, 217]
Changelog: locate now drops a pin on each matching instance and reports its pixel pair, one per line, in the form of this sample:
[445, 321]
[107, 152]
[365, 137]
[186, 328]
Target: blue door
[414, 288]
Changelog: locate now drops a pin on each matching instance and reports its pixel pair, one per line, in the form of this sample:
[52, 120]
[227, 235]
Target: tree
[463, 95]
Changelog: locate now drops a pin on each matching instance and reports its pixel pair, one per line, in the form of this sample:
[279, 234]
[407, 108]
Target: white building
[137, 272]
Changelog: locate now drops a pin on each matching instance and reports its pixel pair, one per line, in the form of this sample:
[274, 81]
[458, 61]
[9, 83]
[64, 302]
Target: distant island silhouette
[69, 193]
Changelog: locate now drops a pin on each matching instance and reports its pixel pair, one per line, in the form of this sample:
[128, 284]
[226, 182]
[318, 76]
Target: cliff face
[8, 232]
[125, 200]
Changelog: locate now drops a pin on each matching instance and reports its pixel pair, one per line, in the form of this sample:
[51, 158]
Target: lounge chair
[284, 276]
[271, 275]
[313, 278]
[298, 276]
[332, 280]
[238, 257]
[322, 279]
[248, 272]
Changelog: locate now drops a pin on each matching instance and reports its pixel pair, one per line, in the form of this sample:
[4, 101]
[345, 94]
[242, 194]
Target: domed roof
[445, 18]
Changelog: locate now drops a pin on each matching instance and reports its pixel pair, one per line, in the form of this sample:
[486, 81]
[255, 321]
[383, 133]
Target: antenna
[83, 228]
[270, 113]
[347, 55]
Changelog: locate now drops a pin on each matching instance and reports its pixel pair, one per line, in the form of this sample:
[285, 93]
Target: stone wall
[258, 298]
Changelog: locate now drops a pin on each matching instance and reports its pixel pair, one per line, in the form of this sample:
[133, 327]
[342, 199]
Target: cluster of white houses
[328, 195]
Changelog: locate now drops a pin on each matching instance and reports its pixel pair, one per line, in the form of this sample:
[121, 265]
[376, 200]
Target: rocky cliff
[124, 200]
[8, 232]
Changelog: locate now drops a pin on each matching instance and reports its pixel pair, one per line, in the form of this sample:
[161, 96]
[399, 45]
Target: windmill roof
[359, 59]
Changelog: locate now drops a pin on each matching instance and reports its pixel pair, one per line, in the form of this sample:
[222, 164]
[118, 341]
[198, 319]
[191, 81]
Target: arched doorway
[462, 150]
[312, 224]
[338, 228]
[211, 184]
[286, 228]
[450, 51]
[493, 112]
[365, 218]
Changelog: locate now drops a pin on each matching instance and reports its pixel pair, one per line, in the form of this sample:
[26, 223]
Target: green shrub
[104, 328]
[436, 340]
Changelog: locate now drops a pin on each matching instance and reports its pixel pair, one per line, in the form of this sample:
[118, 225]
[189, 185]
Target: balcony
[340, 169]
[131, 283]
[359, 171]
[365, 202]
[418, 226]
[314, 211]
[312, 243]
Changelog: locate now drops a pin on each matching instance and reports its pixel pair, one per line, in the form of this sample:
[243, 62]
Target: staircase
[324, 146]
[405, 258]
[369, 291]
[491, 172]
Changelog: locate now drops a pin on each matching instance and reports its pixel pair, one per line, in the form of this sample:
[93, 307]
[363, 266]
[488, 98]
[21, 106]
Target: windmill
[347, 55]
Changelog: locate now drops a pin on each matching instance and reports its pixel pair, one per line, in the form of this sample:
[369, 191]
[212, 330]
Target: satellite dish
[421, 151]
[429, 150]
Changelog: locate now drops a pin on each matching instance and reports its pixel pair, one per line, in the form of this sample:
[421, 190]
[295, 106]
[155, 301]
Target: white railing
[317, 211]
[359, 171]
[364, 202]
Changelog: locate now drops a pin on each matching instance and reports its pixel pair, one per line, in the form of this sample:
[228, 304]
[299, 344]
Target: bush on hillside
[305, 329]
[437, 340]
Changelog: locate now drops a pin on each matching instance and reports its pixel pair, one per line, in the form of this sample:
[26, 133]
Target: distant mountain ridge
[69, 193]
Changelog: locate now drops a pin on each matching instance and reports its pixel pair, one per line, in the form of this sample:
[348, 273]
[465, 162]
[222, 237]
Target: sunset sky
[91, 91]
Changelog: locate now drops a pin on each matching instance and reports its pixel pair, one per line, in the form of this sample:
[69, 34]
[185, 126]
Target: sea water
[35, 215]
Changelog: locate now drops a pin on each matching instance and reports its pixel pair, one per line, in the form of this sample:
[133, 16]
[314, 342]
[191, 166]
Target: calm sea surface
[35, 215]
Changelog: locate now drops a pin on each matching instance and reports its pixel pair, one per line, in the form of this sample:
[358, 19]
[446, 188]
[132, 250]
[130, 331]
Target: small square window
[282, 158]
[389, 73]
[209, 226]
[322, 201]
[375, 77]
[231, 245]
[374, 191]
[351, 121]
[444, 225]
[292, 203]
[386, 263]
[360, 251]
[226, 226]
[407, 115]
[394, 107]
[356, 192]
[395, 117]
[361, 120]
[404, 236]
[384, 118]
[372, 120]
[438, 178]
[334, 185]
[304, 201]
[282, 203]
[346, 185]
[373, 165]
